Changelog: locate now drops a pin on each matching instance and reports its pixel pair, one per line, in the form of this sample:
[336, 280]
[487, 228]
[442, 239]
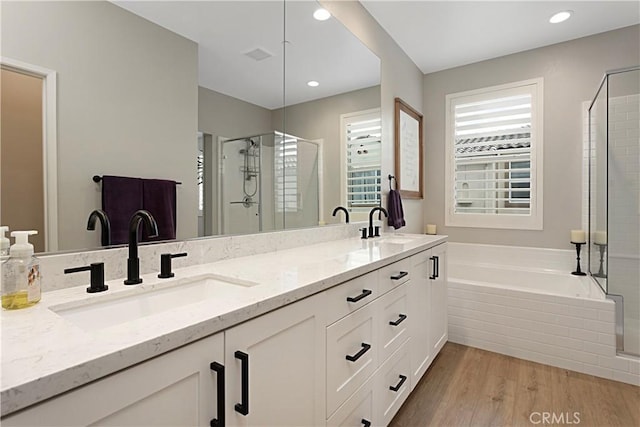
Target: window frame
[345, 119]
[532, 221]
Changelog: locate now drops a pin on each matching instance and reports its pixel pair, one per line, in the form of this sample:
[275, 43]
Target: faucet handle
[377, 231]
[364, 232]
[97, 276]
[165, 264]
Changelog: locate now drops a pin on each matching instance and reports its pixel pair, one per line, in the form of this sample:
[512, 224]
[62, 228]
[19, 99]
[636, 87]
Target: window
[286, 172]
[494, 161]
[361, 170]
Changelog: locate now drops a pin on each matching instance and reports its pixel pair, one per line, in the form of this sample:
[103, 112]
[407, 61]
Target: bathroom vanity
[333, 333]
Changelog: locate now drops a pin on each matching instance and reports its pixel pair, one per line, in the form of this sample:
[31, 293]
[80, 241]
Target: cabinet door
[275, 367]
[438, 313]
[177, 388]
[420, 306]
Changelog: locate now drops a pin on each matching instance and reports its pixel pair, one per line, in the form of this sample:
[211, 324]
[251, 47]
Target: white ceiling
[438, 35]
[225, 30]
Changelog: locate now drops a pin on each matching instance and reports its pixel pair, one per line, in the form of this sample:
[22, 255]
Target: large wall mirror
[213, 95]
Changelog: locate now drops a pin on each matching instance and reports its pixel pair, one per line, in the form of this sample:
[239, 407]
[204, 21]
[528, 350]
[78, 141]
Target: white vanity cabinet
[178, 388]
[427, 308]
[368, 364]
[275, 367]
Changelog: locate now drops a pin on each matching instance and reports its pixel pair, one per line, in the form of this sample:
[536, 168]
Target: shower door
[240, 190]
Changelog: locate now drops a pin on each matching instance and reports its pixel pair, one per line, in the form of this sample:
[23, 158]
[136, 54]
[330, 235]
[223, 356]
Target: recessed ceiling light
[560, 16]
[321, 14]
[313, 83]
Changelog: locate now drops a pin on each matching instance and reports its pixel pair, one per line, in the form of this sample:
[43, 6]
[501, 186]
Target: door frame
[49, 144]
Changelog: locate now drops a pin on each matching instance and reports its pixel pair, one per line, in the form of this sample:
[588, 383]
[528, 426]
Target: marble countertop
[44, 354]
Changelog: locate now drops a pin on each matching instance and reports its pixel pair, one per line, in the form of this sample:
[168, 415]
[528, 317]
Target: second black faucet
[133, 262]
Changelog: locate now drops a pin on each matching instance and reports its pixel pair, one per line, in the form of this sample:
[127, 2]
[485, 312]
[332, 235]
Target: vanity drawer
[393, 318]
[350, 296]
[392, 384]
[351, 355]
[356, 411]
[394, 274]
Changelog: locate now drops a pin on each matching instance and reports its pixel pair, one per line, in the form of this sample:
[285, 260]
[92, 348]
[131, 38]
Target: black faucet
[346, 213]
[133, 262]
[371, 232]
[98, 214]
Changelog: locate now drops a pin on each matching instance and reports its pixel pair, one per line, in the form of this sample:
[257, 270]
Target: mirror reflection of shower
[268, 182]
[250, 170]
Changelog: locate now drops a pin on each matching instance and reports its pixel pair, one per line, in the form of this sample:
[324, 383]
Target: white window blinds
[286, 173]
[362, 133]
[493, 141]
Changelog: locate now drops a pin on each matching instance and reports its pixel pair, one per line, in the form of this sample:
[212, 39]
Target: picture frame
[409, 164]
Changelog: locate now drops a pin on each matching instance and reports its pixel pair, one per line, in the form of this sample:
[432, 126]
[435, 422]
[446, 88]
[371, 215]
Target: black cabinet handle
[397, 386]
[365, 293]
[358, 355]
[435, 268]
[400, 320]
[219, 370]
[399, 276]
[243, 407]
[365, 423]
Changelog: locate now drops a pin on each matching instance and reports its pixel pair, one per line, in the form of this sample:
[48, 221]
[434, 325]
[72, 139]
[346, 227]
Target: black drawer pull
[219, 370]
[243, 407]
[358, 355]
[397, 386]
[399, 275]
[365, 423]
[365, 293]
[435, 267]
[400, 320]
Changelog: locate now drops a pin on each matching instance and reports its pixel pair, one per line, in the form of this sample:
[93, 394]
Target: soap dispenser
[21, 274]
[4, 241]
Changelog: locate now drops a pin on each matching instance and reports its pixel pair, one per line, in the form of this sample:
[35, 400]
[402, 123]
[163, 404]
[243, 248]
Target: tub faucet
[99, 214]
[346, 213]
[371, 232]
[133, 262]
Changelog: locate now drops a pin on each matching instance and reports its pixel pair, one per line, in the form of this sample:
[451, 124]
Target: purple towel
[396, 213]
[159, 198]
[121, 198]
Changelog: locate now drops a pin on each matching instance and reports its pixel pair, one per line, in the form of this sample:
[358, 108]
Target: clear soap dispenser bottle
[21, 274]
[4, 241]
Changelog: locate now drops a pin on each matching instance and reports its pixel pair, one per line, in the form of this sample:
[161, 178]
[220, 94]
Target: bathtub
[539, 281]
[524, 302]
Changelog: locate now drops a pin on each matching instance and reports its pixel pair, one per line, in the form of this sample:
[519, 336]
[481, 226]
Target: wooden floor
[466, 386]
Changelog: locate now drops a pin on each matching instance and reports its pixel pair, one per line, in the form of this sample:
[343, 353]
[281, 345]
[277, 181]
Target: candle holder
[603, 248]
[578, 272]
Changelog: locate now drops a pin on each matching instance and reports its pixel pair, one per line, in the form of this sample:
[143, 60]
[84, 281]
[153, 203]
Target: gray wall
[400, 77]
[127, 102]
[320, 119]
[220, 115]
[571, 72]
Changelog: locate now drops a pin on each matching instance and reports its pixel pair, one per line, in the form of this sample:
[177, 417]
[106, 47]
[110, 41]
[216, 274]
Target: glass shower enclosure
[614, 199]
[268, 182]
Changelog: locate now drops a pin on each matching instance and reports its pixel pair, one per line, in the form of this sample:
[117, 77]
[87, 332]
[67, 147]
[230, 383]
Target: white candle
[578, 236]
[600, 237]
[431, 229]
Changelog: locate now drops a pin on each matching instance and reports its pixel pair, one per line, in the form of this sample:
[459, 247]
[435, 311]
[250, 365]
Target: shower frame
[603, 264]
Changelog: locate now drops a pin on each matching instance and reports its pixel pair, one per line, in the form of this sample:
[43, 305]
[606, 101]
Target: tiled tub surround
[565, 322]
[44, 354]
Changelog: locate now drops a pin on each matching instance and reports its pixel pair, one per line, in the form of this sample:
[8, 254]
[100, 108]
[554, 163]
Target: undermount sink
[140, 302]
[398, 239]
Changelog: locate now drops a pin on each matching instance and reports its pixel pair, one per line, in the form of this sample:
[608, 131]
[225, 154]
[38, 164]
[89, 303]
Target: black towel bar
[391, 178]
[98, 178]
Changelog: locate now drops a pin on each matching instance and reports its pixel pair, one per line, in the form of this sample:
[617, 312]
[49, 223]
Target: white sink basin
[398, 239]
[139, 302]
